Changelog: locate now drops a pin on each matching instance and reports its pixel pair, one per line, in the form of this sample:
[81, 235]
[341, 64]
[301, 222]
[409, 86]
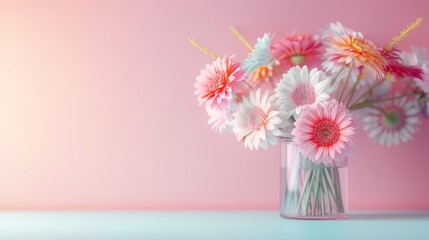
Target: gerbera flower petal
[355, 51]
[261, 121]
[218, 81]
[220, 119]
[299, 89]
[296, 47]
[397, 68]
[395, 124]
[329, 135]
[260, 56]
[337, 29]
[419, 57]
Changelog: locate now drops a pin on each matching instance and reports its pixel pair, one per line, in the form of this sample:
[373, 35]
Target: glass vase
[311, 190]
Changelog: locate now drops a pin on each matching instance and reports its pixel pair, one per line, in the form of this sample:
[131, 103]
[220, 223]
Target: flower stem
[379, 109]
[351, 93]
[306, 191]
[346, 83]
[370, 103]
[247, 84]
[329, 189]
[337, 75]
[368, 91]
[338, 190]
[317, 186]
[278, 70]
[425, 99]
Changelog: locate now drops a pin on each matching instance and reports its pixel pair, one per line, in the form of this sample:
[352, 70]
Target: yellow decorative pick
[205, 50]
[241, 38]
[403, 34]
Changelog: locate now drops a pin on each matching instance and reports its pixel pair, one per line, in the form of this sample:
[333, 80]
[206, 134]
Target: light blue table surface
[201, 225]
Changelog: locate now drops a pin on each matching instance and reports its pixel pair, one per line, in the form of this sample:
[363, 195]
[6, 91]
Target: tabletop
[202, 225]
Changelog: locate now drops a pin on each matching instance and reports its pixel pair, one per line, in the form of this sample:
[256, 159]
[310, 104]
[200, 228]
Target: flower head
[218, 81]
[419, 57]
[398, 69]
[337, 29]
[299, 89]
[324, 131]
[396, 122]
[296, 47]
[219, 119]
[357, 52]
[261, 74]
[260, 56]
[331, 31]
[257, 120]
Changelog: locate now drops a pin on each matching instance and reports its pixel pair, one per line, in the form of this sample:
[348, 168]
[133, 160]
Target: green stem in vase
[317, 188]
[290, 195]
[322, 193]
[329, 189]
[305, 191]
[333, 183]
[338, 187]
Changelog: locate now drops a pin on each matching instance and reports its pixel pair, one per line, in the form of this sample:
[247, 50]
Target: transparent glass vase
[311, 190]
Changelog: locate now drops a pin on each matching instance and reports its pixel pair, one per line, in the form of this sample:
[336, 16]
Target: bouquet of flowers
[384, 88]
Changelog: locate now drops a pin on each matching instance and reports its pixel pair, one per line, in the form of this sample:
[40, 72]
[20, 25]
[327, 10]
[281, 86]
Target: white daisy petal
[257, 120]
[299, 89]
[397, 126]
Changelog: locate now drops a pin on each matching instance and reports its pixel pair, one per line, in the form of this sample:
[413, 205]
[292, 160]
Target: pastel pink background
[98, 112]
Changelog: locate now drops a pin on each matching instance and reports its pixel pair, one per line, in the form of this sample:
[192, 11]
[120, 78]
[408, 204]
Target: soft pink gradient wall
[97, 106]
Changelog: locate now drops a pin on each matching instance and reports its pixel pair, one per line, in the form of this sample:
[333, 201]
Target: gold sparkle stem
[403, 34]
[205, 50]
[241, 38]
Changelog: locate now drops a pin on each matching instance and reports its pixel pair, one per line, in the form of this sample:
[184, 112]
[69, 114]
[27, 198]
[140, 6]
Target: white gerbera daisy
[260, 56]
[257, 120]
[220, 119]
[392, 122]
[299, 89]
[337, 29]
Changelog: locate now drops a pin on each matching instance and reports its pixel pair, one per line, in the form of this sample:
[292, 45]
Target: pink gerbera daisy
[357, 52]
[296, 47]
[419, 58]
[218, 81]
[398, 69]
[324, 131]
